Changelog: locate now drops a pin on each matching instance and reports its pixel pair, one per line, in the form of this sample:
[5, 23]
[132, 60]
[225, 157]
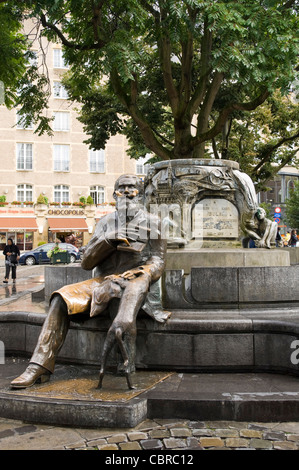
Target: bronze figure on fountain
[127, 256]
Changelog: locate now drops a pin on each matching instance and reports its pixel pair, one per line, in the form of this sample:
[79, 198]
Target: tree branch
[208, 102]
[223, 116]
[288, 4]
[283, 163]
[214, 146]
[164, 47]
[199, 93]
[282, 141]
[185, 86]
[149, 8]
[130, 104]
[286, 160]
[65, 41]
[186, 69]
[96, 20]
[163, 138]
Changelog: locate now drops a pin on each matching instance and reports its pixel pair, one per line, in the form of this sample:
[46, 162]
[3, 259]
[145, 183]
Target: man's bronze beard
[127, 207]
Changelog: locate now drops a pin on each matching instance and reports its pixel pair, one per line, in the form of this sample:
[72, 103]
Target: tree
[169, 74]
[292, 206]
[264, 140]
[24, 84]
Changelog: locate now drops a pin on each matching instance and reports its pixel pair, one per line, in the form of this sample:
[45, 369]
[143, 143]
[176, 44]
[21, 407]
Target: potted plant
[42, 199]
[58, 256]
[89, 200]
[3, 201]
[78, 204]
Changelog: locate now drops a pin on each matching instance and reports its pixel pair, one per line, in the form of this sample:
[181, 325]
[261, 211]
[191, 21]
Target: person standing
[278, 239]
[12, 256]
[293, 238]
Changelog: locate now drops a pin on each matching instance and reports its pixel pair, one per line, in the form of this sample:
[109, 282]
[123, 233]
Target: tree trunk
[182, 148]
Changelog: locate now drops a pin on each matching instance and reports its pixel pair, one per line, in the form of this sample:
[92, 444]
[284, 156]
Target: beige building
[61, 167]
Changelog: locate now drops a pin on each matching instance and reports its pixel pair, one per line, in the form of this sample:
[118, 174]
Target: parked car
[81, 251]
[40, 253]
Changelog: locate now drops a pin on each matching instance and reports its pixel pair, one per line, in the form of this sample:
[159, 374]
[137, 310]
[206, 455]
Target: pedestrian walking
[12, 256]
[293, 238]
[278, 239]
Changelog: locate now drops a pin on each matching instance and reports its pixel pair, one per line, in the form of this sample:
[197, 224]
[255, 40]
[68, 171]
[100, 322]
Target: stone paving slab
[158, 395]
[17, 435]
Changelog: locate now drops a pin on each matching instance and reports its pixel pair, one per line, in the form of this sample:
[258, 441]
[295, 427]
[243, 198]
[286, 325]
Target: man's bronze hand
[112, 277]
[132, 273]
[124, 240]
[117, 237]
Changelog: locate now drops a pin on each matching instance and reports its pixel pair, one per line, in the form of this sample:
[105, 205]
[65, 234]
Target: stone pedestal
[185, 259]
[241, 319]
[233, 308]
[217, 288]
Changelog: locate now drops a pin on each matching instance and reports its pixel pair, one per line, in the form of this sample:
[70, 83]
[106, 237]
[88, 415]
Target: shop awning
[18, 223]
[67, 225]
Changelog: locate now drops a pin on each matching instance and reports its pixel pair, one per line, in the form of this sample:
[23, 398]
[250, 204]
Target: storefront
[20, 229]
[67, 229]
[32, 226]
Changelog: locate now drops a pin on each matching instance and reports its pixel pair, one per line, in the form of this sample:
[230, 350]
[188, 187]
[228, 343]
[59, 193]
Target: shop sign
[17, 211]
[66, 212]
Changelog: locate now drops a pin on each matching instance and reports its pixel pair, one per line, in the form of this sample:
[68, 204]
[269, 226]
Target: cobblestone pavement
[154, 436]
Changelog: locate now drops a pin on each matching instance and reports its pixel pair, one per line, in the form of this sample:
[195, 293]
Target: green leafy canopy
[292, 207]
[171, 75]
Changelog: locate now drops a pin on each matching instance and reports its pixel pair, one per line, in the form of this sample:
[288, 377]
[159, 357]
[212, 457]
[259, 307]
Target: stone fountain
[232, 308]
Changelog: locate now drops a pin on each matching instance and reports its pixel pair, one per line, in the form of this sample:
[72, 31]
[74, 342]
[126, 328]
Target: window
[59, 91]
[61, 154]
[61, 193]
[61, 121]
[21, 122]
[98, 194]
[24, 192]
[141, 167]
[58, 59]
[290, 187]
[97, 161]
[24, 156]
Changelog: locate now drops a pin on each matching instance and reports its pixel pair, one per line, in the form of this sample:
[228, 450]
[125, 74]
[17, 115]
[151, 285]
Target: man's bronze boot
[33, 374]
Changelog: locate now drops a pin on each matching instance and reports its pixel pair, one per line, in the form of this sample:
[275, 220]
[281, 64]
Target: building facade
[60, 167]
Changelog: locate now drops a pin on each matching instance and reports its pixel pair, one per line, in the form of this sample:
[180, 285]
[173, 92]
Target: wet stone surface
[16, 435]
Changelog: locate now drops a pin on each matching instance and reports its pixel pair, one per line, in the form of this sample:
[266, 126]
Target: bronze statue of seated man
[127, 256]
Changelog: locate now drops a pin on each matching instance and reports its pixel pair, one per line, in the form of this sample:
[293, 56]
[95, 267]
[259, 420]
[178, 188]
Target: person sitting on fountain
[127, 254]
